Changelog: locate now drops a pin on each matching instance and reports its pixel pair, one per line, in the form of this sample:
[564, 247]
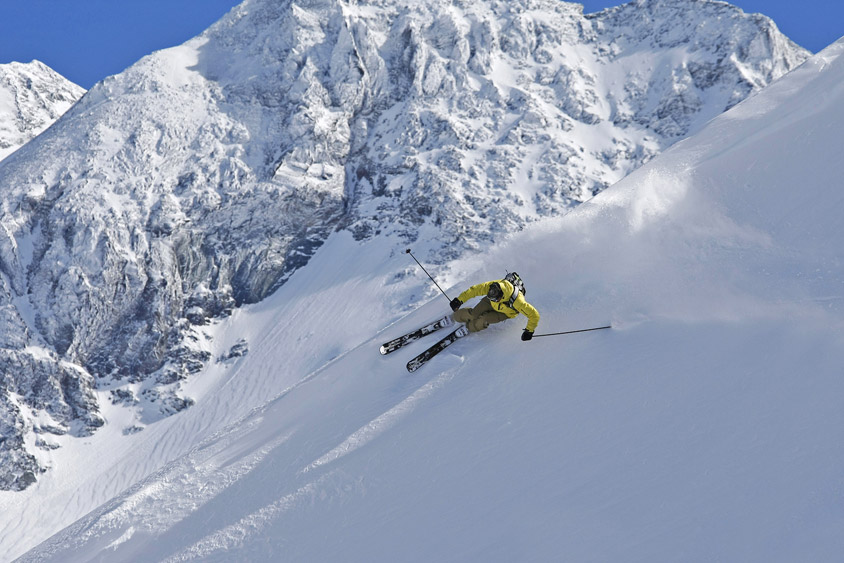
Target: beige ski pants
[479, 317]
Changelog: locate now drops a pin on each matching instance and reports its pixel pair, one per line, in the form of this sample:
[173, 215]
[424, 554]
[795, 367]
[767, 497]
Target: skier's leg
[467, 315]
[484, 320]
[462, 315]
[480, 316]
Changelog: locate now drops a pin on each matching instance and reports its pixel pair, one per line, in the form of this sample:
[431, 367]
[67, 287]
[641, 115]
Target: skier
[496, 306]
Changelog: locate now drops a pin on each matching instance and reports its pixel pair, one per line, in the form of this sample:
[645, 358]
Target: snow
[706, 425]
[32, 97]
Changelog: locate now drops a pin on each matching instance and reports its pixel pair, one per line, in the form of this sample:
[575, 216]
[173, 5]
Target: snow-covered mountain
[201, 178]
[32, 97]
[705, 426]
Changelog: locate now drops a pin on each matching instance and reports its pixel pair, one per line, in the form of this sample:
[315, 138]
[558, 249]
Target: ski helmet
[495, 292]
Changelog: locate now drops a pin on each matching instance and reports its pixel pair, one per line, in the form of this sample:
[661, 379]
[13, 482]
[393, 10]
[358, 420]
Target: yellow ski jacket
[519, 305]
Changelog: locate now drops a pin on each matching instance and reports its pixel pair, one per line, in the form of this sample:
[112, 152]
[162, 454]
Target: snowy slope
[32, 97]
[707, 425]
[201, 178]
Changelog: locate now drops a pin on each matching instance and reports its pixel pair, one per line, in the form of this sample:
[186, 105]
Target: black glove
[455, 304]
[527, 335]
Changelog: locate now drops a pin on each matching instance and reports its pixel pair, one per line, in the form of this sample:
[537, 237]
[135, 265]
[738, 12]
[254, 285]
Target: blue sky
[87, 40]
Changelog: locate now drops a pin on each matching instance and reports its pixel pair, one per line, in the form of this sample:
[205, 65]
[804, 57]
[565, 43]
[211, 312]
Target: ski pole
[571, 331]
[429, 275]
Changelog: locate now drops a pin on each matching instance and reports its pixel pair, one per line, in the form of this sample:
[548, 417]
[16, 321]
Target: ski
[423, 358]
[434, 326]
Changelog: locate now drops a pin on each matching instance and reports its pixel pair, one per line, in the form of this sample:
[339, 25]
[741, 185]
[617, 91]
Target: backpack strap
[513, 297]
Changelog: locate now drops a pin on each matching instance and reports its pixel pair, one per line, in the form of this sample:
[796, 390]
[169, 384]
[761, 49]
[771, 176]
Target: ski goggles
[495, 292]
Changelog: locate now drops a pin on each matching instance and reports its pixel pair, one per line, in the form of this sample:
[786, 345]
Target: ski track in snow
[221, 460]
[183, 486]
[236, 534]
[376, 427]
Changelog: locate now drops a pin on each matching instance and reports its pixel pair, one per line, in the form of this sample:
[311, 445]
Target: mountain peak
[32, 97]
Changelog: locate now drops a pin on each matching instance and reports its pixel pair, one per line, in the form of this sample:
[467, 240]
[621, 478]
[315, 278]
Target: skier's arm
[529, 311]
[478, 290]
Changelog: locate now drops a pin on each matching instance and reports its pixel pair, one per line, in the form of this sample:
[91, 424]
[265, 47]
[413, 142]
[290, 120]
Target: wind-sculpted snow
[199, 179]
[32, 97]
